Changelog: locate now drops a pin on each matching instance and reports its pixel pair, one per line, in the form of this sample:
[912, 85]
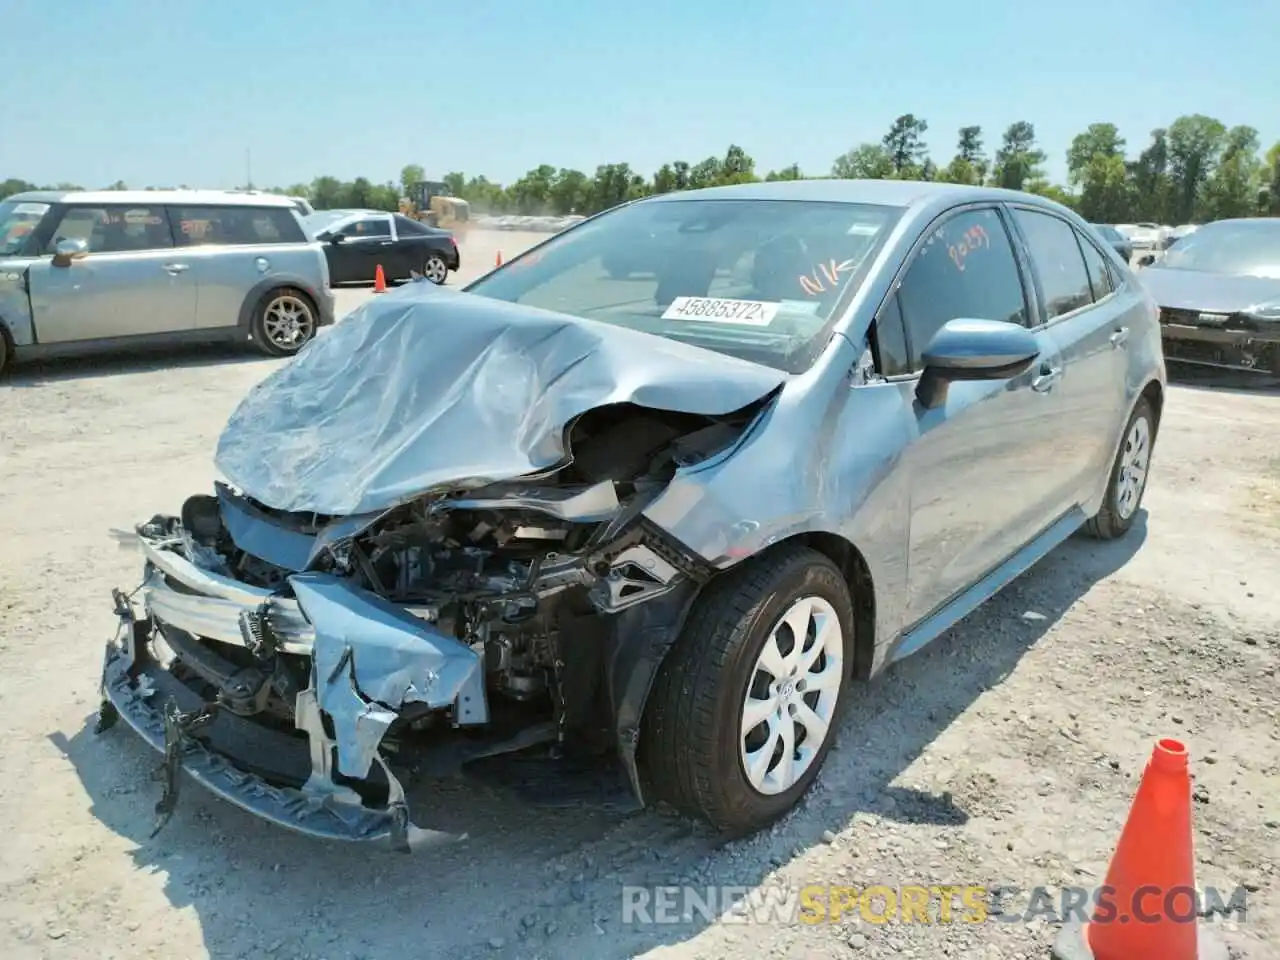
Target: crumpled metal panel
[370, 657]
[420, 391]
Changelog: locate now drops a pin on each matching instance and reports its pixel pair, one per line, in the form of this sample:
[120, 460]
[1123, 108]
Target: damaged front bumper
[1220, 341]
[366, 660]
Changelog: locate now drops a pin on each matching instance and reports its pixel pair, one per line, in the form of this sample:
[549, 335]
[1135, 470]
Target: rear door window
[219, 225]
[127, 228]
[1101, 281]
[1055, 252]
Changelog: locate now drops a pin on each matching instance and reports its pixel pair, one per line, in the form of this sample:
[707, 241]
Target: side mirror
[69, 250]
[973, 350]
[1147, 260]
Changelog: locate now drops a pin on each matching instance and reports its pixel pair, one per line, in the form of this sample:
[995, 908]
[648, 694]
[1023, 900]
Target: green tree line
[1195, 170]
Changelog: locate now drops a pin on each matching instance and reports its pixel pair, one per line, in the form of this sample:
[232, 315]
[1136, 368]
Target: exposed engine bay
[292, 662]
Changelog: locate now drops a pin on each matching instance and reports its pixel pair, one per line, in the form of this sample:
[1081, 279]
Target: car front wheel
[747, 702]
[1128, 478]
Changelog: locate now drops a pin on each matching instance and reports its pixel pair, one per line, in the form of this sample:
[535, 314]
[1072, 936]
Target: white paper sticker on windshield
[860, 229]
[751, 313]
[27, 209]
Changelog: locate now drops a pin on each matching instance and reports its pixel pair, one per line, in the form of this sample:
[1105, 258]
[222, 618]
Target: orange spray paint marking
[825, 276]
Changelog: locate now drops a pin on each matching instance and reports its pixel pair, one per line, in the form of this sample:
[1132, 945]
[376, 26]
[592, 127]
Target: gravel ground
[1006, 754]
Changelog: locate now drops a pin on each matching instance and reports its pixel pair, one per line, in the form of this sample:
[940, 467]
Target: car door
[365, 242]
[414, 242]
[1079, 307]
[980, 471]
[231, 250]
[132, 282]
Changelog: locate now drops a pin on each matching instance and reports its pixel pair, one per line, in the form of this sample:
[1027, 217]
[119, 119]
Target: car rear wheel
[1128, 479]
[435, 269]
[746, 704]
[283, 323]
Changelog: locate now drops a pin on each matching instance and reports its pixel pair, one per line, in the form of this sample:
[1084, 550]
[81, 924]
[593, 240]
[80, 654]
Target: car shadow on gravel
[551, 883]
[38, 373]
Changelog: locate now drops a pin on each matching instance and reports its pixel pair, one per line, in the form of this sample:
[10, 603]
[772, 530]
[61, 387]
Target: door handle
[177, 268]
[1119, 338]
[1046, 378]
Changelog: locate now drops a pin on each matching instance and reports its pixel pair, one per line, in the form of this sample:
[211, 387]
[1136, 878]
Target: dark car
[357, 242]
[1219, 295]
[1119, 242]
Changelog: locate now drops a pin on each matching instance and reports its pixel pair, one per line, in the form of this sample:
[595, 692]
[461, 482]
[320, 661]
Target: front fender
[825, 459]
[15, 305]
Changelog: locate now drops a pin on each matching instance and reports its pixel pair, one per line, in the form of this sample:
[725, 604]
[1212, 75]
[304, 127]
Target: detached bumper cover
[367, 659]
[139, 693]
[1223, 341]
[1233, 336]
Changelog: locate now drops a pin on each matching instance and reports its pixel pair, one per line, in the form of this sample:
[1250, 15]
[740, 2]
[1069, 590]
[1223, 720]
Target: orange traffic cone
[497, 261]
[379, 280]
[1147, 909]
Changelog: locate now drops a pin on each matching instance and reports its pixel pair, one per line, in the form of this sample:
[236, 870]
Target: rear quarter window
[406, 226]
[235, 226]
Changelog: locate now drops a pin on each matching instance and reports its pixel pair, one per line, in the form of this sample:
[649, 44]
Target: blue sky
[176, 92]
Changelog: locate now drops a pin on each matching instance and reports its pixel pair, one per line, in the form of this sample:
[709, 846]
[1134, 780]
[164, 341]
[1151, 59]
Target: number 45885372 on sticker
[752, 313]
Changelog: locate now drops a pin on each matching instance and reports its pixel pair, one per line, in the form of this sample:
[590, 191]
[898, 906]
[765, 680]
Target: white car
[1146, 236]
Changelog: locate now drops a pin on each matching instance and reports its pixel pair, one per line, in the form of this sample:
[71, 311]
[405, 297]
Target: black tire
[690, 741]
[1110, 522]
[6, 352]
[436, 262]
[274, 346]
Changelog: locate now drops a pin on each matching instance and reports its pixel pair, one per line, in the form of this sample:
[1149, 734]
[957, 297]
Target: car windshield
[17, 220]
[1243, 247]
[1108, 233]
[757, 279]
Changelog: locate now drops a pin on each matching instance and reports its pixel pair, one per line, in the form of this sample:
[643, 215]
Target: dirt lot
[1005, 754]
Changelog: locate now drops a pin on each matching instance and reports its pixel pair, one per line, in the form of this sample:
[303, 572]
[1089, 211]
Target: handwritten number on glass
[975, 238]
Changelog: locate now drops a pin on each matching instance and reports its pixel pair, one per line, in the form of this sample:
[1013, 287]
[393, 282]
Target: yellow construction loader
[430, 202]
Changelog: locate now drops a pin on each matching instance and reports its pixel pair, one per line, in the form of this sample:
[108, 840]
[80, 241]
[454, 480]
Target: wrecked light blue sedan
[634, 515]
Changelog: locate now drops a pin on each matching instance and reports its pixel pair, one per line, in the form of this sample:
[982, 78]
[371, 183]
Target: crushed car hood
[418, 391]
[1210, 292]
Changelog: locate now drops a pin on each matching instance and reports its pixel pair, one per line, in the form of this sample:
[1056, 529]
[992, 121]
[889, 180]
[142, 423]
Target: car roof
[890, 193]
[1241, 221]
[202, 198]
